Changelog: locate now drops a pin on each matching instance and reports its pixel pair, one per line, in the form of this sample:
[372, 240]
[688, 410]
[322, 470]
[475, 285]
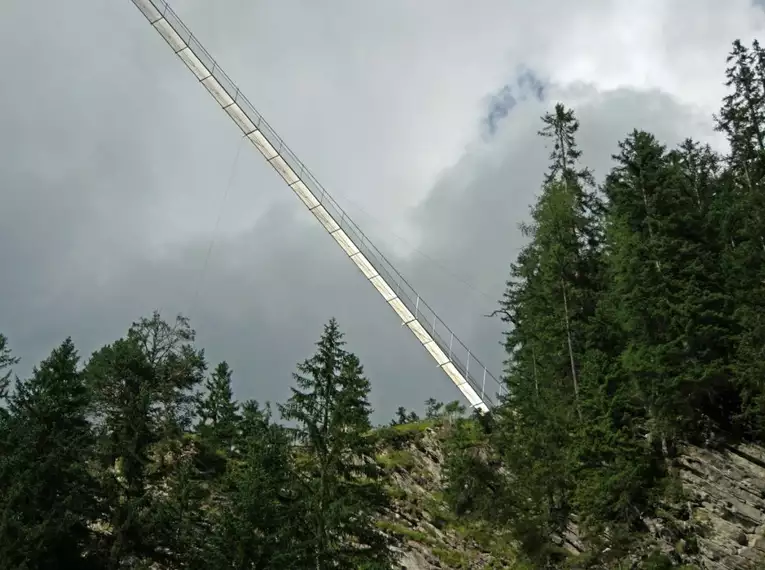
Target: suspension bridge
[479, 386]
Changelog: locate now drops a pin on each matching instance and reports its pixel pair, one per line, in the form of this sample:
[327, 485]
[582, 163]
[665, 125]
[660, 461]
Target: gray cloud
[470, 220]
[113, 167]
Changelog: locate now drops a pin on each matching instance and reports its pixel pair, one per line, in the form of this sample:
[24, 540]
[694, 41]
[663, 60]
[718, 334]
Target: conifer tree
[258, 521]
[404, 417]
[218, 421]
[144, 389]
[218, 410]
[47, 493]
[6, 361]
[742, 116]
[672, 299]
[740, 207]
[550, 302]
[474, 488]
[454, 410]
[433, 408]
[340, 484]
[566, 239]
[401, 418]
[180, 520]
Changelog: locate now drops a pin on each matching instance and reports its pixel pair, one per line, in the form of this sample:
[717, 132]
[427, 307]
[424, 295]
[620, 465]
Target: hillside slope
[717, 521]
[431, 536]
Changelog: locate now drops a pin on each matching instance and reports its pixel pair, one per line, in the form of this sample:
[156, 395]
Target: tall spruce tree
[740, 209]
[567, 237]
[7, 360]
[473, 486]
[671, 294]
[258, 519]
[554, 285]
[180, 522]
[47, 493]
[218, 414]
[218, 410]
[340, 485]
[742, 116]
[144, 389]
[550, 301]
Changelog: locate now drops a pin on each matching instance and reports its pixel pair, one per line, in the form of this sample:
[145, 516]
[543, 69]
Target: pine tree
[742, 117]
[340, 484]
[671, 294]
[179, 520]
[143, 401]
[740, 209]
[401, 418]
[218, 420]
[6, 361]
[47, 493]
[258, 519]
[218, 410]
[454, 410]
[567, 236]
[433, 408]
[550, 301]
[473, 486]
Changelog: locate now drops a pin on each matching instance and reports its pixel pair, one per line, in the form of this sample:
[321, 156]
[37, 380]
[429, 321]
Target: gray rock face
[720, 527]
[724, 515]
[725, 512]
[727, 494]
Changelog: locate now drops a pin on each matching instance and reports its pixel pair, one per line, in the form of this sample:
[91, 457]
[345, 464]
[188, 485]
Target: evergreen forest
[635, 318]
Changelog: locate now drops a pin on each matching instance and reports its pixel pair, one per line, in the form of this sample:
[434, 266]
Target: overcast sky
[419, 116]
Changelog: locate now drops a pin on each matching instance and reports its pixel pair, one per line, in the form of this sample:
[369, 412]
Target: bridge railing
[469, 366]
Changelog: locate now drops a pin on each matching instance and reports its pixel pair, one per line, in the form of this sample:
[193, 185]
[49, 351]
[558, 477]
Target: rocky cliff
[726, 506]
[431, 536]
[717, 520]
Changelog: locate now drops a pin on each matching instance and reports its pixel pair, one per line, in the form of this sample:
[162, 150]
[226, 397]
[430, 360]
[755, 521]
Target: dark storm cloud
[114, 163]
[101, 176]
[470, 220]
[525, 85]
[260, 304]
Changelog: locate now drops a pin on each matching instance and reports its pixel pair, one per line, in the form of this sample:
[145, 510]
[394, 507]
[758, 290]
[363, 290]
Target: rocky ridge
[431, 537]
[717, 521]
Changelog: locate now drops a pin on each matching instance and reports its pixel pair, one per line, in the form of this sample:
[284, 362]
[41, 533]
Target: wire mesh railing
[474, 371]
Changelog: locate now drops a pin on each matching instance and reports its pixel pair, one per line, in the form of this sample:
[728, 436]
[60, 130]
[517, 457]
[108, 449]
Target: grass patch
[413, 427]
[398, 435]
[477, 533]
[452, 558]
[404, 532]
[396, 493]
[443, 517]
[396, 458]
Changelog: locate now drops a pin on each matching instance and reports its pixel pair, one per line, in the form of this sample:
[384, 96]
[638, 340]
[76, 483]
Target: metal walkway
[472, 378]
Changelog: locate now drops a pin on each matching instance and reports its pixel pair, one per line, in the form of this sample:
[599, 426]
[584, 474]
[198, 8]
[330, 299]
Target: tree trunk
[571, 351]
[648, 220]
